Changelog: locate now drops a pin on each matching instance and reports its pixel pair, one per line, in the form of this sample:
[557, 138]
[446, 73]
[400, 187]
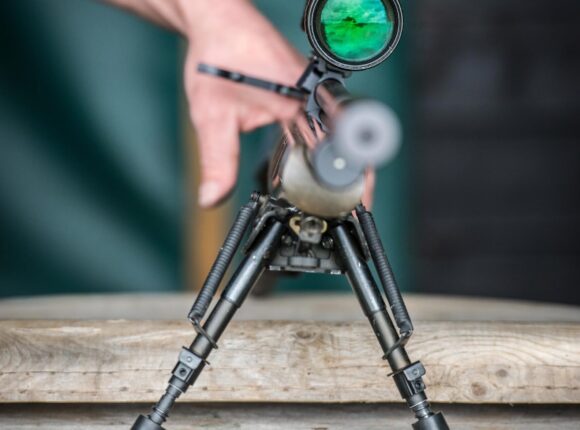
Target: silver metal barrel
[322, 173]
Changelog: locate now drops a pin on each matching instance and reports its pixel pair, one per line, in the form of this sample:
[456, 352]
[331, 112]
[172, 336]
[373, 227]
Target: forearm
[172, 14]
[191, 18]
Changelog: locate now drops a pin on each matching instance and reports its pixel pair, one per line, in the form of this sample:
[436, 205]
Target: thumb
[219, 148]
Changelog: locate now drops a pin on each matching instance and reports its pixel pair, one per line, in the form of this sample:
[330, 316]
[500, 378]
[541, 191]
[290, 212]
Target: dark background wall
[497, 150]
[482, 200]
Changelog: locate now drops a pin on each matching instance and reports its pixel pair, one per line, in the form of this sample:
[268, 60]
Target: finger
[256, 119]
[286, 110]
[367, 198]
[261, 109]
[219, 148]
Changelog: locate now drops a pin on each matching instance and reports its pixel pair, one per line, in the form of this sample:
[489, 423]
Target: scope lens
[356, 31]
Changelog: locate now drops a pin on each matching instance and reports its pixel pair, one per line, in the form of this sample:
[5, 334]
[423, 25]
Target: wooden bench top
[475, 351]
[319, 307]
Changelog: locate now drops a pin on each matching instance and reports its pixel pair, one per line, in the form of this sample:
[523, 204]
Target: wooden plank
[276, 361]
[285, 417]
[320, 307]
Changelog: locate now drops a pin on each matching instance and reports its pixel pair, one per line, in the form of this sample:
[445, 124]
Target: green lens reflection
[356, 30]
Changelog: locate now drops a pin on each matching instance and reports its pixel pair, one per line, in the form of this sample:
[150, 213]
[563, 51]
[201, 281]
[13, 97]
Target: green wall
[90, 159]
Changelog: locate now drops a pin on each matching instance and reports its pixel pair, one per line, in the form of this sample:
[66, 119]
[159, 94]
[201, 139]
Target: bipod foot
[193, 359]
[432, 422]
[407, 376]
[145, 423]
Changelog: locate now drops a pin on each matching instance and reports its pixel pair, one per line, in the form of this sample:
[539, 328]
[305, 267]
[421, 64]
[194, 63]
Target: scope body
[353, 34]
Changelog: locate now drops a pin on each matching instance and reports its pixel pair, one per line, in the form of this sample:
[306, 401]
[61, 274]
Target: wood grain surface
[321, 307]
[285, 417]
[277, 361]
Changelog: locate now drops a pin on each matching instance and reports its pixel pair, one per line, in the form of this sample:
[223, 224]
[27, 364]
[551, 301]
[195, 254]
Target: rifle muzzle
[362, 134]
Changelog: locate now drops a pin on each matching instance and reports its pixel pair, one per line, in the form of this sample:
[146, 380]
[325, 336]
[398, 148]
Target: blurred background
[98, 170]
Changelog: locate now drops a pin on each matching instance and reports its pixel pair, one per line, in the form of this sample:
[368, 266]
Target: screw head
[327, 242]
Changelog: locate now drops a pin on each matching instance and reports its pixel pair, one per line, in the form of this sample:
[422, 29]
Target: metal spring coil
[384, 270]
[232, 242]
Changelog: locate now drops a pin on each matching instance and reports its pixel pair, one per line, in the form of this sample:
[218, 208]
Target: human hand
[229, 34]
[233, 35]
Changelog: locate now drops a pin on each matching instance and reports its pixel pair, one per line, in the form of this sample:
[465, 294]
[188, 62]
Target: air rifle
[304, 223]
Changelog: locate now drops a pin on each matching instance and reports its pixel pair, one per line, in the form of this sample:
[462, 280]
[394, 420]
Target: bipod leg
[407, 375]
[192, 360]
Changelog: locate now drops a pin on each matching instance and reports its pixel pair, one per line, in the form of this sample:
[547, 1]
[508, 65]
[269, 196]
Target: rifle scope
[321, 160]
[353, 34]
